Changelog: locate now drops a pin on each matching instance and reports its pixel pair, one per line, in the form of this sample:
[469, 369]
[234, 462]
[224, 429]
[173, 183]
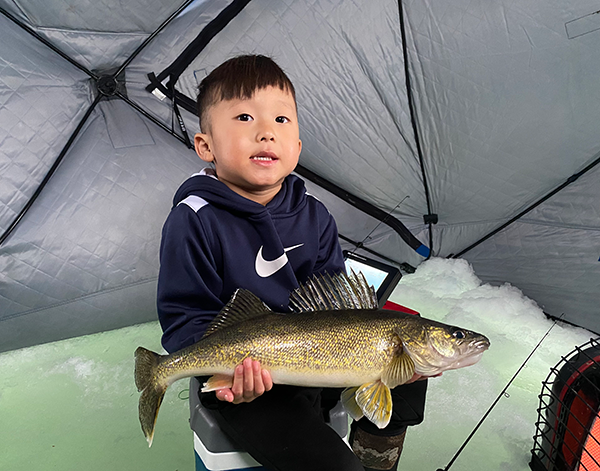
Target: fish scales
[317, 342]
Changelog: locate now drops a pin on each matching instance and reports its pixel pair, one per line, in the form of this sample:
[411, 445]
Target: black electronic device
[381, 276]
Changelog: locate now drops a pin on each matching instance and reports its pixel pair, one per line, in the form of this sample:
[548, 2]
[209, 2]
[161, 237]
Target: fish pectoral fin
[399, 370]
[375, 401]
[350, 405]
[218, 381]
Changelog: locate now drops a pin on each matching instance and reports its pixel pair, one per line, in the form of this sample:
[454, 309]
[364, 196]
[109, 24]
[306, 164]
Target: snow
[449, 291]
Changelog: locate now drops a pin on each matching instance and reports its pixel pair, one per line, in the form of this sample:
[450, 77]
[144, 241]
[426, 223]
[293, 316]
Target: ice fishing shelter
[468, 127]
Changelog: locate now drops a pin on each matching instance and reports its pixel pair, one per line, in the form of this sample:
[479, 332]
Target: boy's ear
[203, 147]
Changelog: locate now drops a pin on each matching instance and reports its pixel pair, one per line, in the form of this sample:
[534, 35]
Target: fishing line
[502, 393]
[361, 244]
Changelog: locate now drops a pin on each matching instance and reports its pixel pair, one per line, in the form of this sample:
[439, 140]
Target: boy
[250, 224]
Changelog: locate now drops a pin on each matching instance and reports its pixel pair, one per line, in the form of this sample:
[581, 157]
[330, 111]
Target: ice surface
[72, 405]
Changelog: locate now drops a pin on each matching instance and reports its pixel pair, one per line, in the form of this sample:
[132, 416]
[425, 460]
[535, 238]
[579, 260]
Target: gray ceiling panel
[552, 253]
[508, 103]
[96, 227]
[42, 99]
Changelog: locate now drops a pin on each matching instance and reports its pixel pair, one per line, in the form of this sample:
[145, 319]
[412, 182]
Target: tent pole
[155, 120]
[367, 208]
[569, 180]
[152, 36]
[429, 218]
[51, 172]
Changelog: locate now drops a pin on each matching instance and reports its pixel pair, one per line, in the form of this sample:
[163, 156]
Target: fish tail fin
[146, 365]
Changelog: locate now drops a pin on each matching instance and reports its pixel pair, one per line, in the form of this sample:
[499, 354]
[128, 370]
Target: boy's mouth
[264, 157]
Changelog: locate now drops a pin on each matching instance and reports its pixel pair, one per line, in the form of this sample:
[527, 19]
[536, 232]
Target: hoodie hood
[289, 200]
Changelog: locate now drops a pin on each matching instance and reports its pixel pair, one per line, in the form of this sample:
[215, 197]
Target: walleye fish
[336, 337]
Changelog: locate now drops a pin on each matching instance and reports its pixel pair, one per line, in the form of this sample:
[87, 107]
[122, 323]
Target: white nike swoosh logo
[265, 268]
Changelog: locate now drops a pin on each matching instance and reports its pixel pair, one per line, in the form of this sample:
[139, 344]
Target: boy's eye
[244, 117]
[282, 119]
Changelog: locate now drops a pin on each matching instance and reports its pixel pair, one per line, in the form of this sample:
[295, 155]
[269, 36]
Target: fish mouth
[482, 344]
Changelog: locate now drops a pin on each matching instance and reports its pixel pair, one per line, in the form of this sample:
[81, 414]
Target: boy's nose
[266, 134]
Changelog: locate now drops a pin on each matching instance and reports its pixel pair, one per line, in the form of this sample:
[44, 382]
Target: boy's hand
[418, 377]
[249, 382]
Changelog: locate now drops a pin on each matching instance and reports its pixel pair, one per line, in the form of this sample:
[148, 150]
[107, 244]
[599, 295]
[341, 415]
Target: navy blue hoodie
[215, 241]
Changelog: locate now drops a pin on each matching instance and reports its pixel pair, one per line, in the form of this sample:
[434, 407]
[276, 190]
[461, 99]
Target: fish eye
[458, 334]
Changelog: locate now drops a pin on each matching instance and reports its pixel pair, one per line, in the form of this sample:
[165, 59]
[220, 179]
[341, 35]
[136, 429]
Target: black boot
[376, 453]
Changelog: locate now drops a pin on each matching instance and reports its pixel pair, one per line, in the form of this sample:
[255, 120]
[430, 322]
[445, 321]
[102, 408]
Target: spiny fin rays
[332, 293]
[242, 306]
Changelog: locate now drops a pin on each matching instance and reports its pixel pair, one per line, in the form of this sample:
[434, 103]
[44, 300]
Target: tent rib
[530, 208]
[360, 246]
[42, 39]
[51, 172]
[200, 42]
[429, 218]
[146, 41]
[145, 113]
[367, 208]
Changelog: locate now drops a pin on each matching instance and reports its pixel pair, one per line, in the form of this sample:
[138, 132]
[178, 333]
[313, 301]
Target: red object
[591, 452]
[578, 422]
[397, 307]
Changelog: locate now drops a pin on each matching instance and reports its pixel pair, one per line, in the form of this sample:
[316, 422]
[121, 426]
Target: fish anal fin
[349, 402]
[242, 306]
[375, 400]
[399, 370]
[217, 381]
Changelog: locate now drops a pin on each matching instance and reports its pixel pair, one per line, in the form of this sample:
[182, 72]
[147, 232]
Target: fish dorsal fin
[242, 306]
[334, 293]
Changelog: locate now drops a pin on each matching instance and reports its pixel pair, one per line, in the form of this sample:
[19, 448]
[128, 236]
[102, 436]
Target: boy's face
[254, 143]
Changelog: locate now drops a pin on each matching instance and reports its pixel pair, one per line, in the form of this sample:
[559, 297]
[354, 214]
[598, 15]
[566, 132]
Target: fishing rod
[502, 393]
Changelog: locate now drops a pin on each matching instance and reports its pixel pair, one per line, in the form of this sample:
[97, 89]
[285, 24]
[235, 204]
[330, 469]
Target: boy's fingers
[249, 382]
[259, 387]
[248, 378]
[238, 381]
[224, 394]
[266, 379]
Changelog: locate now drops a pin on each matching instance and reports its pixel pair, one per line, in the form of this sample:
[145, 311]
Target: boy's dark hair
[239, 77]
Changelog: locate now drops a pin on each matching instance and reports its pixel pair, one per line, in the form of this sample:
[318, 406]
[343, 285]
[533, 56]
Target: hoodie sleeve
[188, 282]
[330, 258]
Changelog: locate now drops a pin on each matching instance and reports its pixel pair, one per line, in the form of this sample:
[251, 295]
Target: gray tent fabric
[469, 110]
